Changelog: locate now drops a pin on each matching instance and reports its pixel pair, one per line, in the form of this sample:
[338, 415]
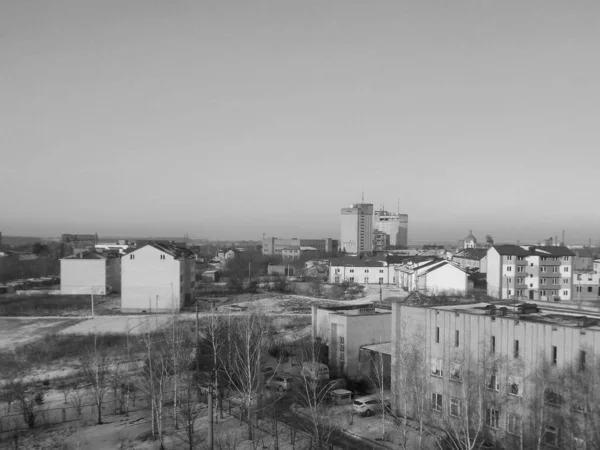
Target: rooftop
[533, 250]
[384, 348]
[472, 253]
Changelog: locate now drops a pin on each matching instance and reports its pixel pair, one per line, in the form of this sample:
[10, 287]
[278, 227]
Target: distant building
[79, 242]
[292, 253]
[381, 240]
[470, 241]
[280, 270]
[211, 276]
[471, 258]
[275, 246]
[157, 277]
[361, 271]
[395, 226]
[432, 277]
[226, 254]
[530, 272]
[344, 330]
[88, 272]
[583, 260]
[357, 228]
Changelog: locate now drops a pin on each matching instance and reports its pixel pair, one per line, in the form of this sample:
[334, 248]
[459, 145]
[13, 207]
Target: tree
[313, 394]
[29, 402]
[95, 372]
[189, 410]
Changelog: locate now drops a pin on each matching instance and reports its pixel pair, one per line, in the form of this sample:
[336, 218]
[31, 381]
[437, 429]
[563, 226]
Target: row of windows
[543, 258]
[589, 289]
[542, 269]
[521, 280]
[365, 270]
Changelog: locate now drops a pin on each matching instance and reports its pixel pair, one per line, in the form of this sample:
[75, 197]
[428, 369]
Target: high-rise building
[357, 228]
[394, 225]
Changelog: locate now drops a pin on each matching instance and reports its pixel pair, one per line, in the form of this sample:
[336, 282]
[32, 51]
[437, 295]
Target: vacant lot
[16, 332]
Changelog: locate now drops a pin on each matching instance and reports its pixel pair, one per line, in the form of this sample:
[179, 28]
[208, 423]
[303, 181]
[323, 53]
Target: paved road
[137, 316]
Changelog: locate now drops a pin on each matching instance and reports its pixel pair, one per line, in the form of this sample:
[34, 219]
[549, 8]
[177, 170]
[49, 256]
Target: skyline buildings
[357, 228]
[394, 225]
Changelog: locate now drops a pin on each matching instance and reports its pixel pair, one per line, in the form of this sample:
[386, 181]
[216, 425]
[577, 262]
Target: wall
[494, 272]
[446, 278]
[113, 274]
[362, 275]
[83, 276]
[150, 283]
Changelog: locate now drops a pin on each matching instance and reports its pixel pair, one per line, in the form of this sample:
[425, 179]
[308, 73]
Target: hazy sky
[228, 119]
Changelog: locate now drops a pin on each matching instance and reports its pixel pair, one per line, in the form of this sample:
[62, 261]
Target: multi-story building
[361, 271]
[394, 225]
[530, 272]
[357, 228]
[471, 258]
[516, 373]
[345, 329]
[297, 252]
[275, 246]
[584, 259]
[381, 240]
[586, 286]
[88, 272]
[157, 277]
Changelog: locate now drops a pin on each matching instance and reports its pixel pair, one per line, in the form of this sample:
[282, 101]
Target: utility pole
[197, 344]
[92, 295]
[210, 418]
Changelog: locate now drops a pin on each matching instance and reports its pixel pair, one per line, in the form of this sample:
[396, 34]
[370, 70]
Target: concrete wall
[83, 276]
[113, 274]
[149, 283]
[362, 275]
[446, 279]
[494, 272]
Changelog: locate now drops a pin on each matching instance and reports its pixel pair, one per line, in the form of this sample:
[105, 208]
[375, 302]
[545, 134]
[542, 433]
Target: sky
[229, 119]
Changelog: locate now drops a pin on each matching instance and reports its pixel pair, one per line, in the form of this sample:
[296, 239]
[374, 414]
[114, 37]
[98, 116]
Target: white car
[280, 382]
[369, 405]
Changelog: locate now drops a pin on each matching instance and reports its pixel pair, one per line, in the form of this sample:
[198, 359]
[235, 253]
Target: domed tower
[470, 241]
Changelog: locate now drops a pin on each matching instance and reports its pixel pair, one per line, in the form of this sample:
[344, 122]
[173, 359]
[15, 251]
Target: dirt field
[119, 324]
[14, 332]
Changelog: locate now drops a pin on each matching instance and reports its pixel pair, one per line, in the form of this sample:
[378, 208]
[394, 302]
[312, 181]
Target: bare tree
[189, 410]
[379, 378]
[29, 403]
[313, 394]
[96, 373]
[8, 393]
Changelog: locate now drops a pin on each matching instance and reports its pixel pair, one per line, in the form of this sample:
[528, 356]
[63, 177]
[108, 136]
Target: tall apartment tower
[394, 225]
[357, 228]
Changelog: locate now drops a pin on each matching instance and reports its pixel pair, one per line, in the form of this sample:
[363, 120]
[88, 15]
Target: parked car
[368, 405]
[281, 383]
[236, 308]
[315, 370]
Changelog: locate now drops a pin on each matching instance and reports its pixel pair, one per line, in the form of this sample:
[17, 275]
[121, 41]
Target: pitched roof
[354, 261]
[582, 252]
[533, 250]
[86, 254]
[510, 249]
[472, 253]
[439, 266]
[173, 250]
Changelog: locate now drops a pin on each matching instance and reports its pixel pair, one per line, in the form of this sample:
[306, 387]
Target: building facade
[361, 271]
[345, 330]
[586, 286]
[432, 277]
[157, 278]
[516, 373]
[357, 228]
[88, 272]
[530, 272]
[470, 241]
[275, 246]
[471, 259]
[395, 226]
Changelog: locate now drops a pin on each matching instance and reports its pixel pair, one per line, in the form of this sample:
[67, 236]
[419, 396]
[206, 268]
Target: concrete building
[530, 272]
[471, 258]
[357, 228]
[432, 277]
[157, 277]
[275, 246]
[584, 259]
[88, 272]
[292, 253]
[381, 240]
[586, 286]
[345, 330]
[521, 369]
[361, 271]
[394, 225]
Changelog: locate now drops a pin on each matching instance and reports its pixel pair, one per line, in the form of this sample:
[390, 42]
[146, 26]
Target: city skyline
[233, 120]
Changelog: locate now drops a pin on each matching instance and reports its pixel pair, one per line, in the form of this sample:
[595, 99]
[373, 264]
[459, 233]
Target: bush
[53, 304]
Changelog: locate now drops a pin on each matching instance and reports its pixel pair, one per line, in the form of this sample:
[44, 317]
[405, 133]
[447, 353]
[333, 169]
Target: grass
[42, 305]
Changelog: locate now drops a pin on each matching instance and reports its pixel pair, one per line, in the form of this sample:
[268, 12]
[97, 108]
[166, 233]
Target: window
[508, 280]
[519, 280]
[493, 346]
[519, 292]
[493, 384]
[543, 292]
[436, 367]
[455, 407]
[554, 280]
[515, 385]
[555, 270]
[554, 354]
[351, 279]
[514, 423]
[544, 269]
[520, 258]
[455, 372]
[582, 360]
[341, 341]
[520, 269]
[509, 292]
[380, 270]
[566, 269]
[552, 397]
[437, 335]
[492, 418]
[162, 256]
[509, 258]
[516, 348]
[542, 280]
[342, 357]
[366, 270]
[509, 269]
[551, 435]
[351, 270]
[380, 280]
[457, 338]
[590, 289]
[565, 258]
[437, 402]
[132, 256]
[565, 281]
[565, 293]
[530, 275]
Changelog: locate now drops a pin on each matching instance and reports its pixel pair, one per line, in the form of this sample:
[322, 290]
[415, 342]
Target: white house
[432, 277]
[471, 258]
[88, 272]
[157, 277]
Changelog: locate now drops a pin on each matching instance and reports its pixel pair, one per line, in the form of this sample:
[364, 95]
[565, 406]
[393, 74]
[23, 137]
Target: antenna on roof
[363, 196]
[398, 205]
[563, 238]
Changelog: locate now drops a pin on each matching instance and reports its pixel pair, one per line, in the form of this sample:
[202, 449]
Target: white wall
[494, 276]
[446, 278]
[83, 276]
[362, 275]
[144, 276]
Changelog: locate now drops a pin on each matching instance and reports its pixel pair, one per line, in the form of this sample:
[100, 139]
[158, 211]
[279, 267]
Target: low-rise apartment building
[157, 277]
[361, 271]
[88, 272]
[530, 272]
[518, 374]
[344, 330]
[586, 286]
[471, 259]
